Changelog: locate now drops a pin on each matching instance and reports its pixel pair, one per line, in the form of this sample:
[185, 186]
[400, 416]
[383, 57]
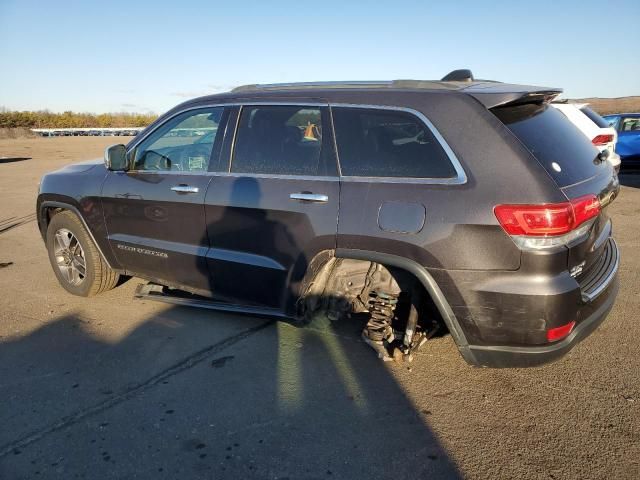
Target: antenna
[462, 75]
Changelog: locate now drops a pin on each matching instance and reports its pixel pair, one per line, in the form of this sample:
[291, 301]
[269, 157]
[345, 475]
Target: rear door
[397, 178]
[154, 212]
[277, 207]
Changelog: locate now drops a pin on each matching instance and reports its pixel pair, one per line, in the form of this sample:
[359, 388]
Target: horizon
[146, 58]
[3, 109]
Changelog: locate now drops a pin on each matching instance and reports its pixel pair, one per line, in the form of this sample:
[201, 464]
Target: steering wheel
[190, 156]
[156, 161]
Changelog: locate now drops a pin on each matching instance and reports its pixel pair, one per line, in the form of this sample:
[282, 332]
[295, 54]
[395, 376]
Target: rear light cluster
[601, 140]
[535, 227]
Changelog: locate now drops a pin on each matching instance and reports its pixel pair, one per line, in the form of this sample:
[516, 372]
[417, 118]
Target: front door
[276, 208]
[154, 212]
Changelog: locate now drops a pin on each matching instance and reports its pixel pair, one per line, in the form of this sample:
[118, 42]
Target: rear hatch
[576, 166]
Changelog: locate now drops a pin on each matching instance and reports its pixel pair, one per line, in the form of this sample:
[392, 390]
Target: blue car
[628, 147]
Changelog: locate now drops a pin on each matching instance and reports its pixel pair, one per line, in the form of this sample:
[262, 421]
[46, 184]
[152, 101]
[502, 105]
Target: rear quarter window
[560, 147]
[388, 143]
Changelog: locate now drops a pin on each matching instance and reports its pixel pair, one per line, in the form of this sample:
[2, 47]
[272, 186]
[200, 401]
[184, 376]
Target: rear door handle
[310, 197]
[185, 189]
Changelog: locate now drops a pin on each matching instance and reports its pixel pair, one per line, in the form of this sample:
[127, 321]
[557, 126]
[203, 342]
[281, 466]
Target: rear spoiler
[494, 94]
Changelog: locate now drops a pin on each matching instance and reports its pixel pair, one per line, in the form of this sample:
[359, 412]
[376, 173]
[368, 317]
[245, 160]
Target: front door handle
[185, 189]
[310, 197]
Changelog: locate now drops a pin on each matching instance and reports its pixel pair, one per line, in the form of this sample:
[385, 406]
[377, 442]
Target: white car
[596, 128]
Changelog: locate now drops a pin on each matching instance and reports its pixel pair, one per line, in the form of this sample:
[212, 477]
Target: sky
[147, 56]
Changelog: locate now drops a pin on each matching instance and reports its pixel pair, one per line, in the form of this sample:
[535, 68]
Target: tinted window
[630, 124]
[184, 143]
[560, 147]
[283, 140]
[594, 117]
[385, 143]
[613, 121]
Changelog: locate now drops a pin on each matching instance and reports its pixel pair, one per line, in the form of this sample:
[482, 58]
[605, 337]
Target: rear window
[594, 117]
[388, 143]
[560, 147]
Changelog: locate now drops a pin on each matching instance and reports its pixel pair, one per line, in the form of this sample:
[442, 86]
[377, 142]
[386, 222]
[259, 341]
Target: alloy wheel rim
[70, 257]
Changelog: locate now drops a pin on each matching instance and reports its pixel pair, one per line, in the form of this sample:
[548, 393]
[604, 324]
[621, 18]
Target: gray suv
[456, 205]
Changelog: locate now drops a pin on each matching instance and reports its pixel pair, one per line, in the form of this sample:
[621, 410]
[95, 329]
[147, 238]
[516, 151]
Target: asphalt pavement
[113, 387]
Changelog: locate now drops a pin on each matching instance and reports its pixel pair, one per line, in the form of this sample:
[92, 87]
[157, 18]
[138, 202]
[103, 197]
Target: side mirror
[115, 158]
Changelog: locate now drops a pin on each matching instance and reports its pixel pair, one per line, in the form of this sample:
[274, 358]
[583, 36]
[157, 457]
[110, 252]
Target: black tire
[97, 277]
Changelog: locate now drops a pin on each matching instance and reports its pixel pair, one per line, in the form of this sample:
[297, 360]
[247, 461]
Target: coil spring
[381, 308]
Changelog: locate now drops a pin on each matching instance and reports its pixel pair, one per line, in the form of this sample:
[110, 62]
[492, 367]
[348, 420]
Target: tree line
[46, 119]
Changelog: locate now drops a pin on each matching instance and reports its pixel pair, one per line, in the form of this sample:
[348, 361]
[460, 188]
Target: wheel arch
[46, 210]
[429, 284]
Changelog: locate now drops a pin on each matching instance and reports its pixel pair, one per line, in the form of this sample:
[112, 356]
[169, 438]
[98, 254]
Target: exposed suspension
[378, 332]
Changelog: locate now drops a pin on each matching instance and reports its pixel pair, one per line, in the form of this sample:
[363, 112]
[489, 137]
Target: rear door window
[283, 140]
[388, 143]
[594, 117]
[560, 147]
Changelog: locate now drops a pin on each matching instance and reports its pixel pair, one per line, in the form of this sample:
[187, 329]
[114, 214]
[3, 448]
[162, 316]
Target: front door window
[183, 144]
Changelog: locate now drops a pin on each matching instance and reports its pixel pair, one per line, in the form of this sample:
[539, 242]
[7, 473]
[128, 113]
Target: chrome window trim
[137, 141]
[231, 174]
[273, 104]
[459, 179]
[278, 176]
[163, 172]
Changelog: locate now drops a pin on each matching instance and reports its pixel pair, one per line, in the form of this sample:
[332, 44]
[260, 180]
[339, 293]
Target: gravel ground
[112, 387]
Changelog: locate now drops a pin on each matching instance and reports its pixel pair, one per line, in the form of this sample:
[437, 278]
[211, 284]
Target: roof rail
[281, 86]
[463, 75]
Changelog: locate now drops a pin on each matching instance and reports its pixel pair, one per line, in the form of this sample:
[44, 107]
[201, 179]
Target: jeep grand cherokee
[470, 204]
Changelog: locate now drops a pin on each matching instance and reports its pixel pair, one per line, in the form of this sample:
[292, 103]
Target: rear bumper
[512, 314]
[505, 356]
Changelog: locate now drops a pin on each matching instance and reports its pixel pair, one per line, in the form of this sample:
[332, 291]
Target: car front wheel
[75, 259]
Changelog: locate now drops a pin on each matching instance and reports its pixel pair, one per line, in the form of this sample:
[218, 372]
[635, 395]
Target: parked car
[595, 128]
[627, 126]
[418, 205]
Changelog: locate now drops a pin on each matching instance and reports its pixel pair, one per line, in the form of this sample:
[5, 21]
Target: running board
[159, 293]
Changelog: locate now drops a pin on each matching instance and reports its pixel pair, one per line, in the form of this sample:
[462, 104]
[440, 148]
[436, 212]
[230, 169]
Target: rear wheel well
[342, 287]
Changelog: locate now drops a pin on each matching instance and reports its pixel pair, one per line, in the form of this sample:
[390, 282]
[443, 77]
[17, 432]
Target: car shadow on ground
[264, 400]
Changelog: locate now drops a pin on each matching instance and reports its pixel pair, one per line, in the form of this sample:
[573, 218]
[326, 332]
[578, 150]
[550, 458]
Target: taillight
[547, 225]
[558, 333]
[602, 139]
[585, 208]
